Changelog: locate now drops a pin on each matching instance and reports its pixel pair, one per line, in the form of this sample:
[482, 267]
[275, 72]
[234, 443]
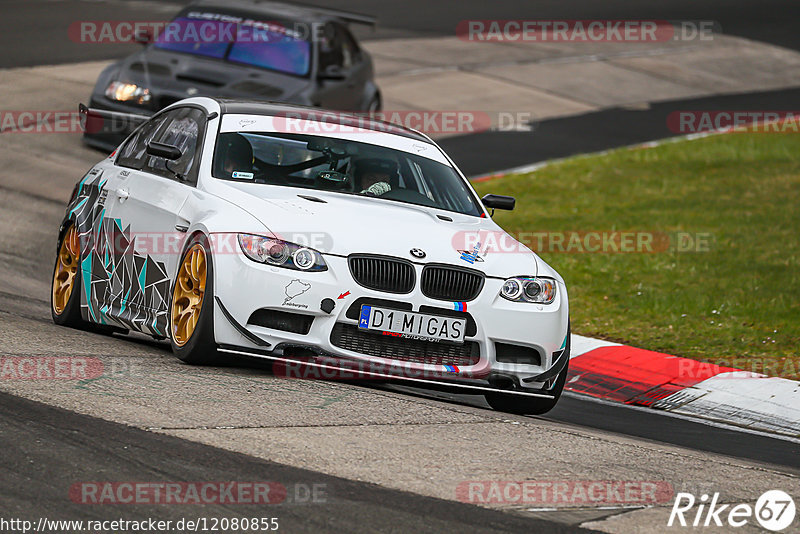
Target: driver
[373, 176]
[237, 154]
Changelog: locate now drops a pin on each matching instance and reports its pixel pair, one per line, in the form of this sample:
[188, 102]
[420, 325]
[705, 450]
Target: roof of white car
[249, 123]
[288, 111]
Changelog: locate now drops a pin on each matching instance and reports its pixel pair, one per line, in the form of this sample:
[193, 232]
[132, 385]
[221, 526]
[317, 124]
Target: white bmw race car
[322, 241]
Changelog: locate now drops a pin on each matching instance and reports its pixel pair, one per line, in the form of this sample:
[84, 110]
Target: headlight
[536, 290]
[127, 92]
[281, 253]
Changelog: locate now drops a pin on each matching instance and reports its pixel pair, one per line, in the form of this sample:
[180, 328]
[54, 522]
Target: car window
[187, 35]
[331, 52]
[350, 51]
[134, 152]
[273, 50]
[342, 166]
[182, 128]
[267, 45]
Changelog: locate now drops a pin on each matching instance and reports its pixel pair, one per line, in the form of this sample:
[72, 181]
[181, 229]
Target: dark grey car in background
[245, 49]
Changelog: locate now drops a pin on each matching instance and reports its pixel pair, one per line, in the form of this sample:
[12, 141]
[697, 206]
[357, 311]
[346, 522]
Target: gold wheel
[66, 270]
[187, 296]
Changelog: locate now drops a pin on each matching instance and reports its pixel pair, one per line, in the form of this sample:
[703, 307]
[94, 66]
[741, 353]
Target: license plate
[412, 325]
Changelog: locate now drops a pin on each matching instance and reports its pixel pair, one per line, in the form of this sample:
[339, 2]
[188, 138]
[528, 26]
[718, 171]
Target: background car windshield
[279, 52]
[343, 166]
[184, 35]
[256, 45]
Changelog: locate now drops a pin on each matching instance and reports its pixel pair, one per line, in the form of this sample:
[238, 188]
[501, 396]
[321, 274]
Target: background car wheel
[518, 404]
[65, 291]
[191, 318]
[374, 105]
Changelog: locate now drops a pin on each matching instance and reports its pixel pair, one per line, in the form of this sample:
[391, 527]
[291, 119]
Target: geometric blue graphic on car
[121, 287]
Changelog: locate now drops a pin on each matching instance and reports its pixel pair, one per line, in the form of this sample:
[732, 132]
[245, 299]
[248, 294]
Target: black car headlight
[272, 251]
[127, 92]
[529, 289]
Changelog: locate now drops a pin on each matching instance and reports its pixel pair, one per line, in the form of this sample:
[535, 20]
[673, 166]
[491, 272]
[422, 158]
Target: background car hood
[173, 76]
[346, 224]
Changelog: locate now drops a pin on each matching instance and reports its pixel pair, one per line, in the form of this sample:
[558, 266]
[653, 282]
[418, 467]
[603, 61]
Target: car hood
[342, 224]
[172, 76]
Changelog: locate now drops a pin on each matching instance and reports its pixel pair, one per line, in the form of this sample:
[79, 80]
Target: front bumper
[242, 287]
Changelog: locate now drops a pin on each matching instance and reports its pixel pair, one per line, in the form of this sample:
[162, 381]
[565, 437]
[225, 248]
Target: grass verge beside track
[733, 200]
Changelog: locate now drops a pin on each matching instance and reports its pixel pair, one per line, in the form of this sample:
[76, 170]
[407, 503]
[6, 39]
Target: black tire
[201, 348]
[518, 404]
[70, 316]
[375, 105]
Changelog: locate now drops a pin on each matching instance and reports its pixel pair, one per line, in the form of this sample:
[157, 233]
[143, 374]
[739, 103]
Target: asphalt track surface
[43, 446]
[489, 152]
[654, 426]
[46, 449]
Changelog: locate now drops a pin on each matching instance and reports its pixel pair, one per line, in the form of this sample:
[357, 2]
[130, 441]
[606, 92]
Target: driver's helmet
[365, 166]
[235, 154]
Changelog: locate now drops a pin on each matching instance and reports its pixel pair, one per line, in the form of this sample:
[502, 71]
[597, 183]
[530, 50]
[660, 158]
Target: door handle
[123, 194]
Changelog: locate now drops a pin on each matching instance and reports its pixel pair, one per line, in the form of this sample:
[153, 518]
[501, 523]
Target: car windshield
[264, 45]
[342, 166]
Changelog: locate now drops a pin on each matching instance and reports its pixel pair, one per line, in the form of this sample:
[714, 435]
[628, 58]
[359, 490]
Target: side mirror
[144, 36]
[499, 202]
[162, 150]
[332, 72]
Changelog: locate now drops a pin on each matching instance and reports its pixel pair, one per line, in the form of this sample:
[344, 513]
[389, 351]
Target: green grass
[736, 303]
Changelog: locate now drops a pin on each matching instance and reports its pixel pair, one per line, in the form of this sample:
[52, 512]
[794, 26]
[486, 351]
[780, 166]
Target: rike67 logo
[774, 510]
